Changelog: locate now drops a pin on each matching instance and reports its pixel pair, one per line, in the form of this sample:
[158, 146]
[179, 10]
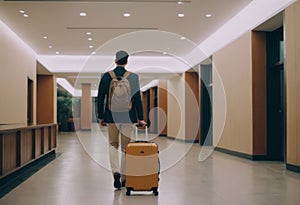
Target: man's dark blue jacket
[136, 112]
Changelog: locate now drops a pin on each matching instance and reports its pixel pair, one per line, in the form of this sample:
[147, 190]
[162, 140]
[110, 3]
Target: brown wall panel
[26, 148]
[259, 92]
[163, 105]
[22, 145]
[192, 119]
[53, 137]
[86, 107]
[46, 140]
[38, 142]
[45, 99]
[152, 118]
[9, 152]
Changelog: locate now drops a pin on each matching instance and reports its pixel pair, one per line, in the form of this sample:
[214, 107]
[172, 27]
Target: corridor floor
[78, 177]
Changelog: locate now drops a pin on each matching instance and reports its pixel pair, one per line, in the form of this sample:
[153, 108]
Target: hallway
[75, 178]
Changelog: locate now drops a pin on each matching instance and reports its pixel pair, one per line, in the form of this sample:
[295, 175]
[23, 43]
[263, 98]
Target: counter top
[20, 126]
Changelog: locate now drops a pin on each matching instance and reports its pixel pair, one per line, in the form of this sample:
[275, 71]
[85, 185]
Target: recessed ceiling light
[45, 37]
[25, 15]
[182, 38]
[90, 39]
[50, 46]
[126, 14]
[180, 15]
[88, 33]
[21, 11]
[208, 15]
[91, 46]
[93, 53]
[83, 14]
[57, 52]
[165, 53]
[179, 2]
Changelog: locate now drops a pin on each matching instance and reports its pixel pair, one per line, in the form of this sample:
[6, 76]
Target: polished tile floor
[79, 176]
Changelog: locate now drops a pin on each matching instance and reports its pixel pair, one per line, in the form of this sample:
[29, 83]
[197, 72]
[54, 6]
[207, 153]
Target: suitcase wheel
[128, 190]
[155, 192]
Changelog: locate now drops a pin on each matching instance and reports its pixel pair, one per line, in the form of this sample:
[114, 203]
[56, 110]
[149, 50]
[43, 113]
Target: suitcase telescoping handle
[136, 132]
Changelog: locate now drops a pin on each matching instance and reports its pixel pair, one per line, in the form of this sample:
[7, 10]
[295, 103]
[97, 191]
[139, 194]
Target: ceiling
[272, 23]
[66, 30]
[57, 33]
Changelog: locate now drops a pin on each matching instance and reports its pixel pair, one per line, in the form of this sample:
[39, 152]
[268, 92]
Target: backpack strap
[126, 74]
[113, 75]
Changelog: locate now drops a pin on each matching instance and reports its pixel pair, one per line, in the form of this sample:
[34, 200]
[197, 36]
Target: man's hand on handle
[101, 122]
[141, 123]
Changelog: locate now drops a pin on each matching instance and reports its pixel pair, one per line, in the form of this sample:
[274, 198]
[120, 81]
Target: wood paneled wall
[243, 68]
[183, 107]
[192, 109]
[259, 93]
[26, 146]
[86, 107]
[145, 104]
[152, 114]
[292, 67]
[163, 105]
[233, 64]
[39, 142]
[45, 99]
[20, 146]
[8, 152]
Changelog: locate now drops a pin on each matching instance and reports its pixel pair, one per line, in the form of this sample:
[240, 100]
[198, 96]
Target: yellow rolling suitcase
[142, 166]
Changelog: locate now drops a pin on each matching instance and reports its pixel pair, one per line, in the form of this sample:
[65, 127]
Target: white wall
[17, 64]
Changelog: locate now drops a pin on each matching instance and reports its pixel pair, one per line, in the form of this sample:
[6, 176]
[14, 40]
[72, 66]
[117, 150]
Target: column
[86, 107]
[163, 105]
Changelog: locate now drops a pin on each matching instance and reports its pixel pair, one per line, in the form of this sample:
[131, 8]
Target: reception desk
[22, 144]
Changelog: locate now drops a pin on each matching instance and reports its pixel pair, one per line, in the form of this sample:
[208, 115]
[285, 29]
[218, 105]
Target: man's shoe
[117, 183]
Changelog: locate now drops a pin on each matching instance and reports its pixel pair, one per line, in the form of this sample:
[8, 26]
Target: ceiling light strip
[111, 28]
[243, 22]
[110, 1]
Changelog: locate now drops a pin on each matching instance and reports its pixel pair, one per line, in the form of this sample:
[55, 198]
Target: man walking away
[119, 108]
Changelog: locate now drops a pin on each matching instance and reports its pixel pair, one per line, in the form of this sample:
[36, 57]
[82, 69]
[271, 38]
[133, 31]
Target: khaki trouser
[126, 132]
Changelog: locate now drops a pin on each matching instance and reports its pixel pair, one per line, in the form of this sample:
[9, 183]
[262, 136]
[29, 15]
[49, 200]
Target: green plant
[64, 109]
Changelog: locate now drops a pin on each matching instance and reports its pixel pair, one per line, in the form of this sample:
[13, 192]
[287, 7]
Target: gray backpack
[119, 97]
